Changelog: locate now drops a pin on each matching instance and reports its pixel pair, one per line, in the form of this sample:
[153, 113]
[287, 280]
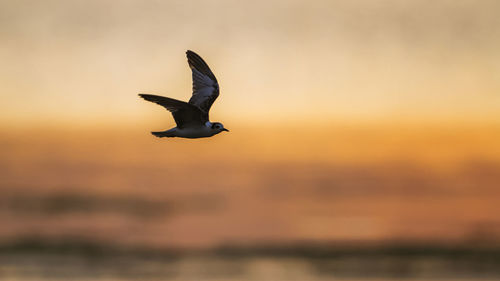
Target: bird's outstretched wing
[185, 114]
[205, 86]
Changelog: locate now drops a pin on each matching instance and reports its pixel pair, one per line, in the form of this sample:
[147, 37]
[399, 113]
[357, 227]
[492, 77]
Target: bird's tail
[164, 134]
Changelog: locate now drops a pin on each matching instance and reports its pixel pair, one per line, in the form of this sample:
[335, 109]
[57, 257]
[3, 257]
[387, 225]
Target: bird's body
[192, 117]
[193, 132]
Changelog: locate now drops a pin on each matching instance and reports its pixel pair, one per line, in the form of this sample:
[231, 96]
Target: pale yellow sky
[276, 61]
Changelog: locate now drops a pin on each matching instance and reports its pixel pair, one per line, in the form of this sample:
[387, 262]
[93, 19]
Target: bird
[191, 117]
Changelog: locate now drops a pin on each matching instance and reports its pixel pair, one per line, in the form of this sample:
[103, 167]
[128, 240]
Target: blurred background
[364, 143]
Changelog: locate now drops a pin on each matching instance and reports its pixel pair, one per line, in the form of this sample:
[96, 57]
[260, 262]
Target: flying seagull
[192, 117]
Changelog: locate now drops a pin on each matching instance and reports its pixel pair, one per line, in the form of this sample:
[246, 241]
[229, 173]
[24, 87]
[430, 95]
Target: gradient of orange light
[280, 62]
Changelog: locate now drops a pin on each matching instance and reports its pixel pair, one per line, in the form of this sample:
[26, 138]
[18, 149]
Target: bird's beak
[225, 130]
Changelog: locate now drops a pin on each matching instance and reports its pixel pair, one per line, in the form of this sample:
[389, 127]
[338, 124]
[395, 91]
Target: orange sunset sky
[350, 120]
[277, 61]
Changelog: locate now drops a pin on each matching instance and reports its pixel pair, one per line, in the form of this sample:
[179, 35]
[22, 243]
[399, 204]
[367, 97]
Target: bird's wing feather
[185, 114]
[205, 86]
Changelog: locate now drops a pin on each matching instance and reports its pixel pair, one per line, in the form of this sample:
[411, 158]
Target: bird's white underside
[194, 132]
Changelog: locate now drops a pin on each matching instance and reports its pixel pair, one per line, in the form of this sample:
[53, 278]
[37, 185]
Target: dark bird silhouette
[192, 117]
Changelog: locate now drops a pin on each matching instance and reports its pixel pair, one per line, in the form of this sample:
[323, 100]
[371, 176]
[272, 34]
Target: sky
[389, 109]
[69, 62]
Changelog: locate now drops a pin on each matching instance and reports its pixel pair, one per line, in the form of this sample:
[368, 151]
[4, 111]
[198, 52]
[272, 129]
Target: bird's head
[218, 127]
